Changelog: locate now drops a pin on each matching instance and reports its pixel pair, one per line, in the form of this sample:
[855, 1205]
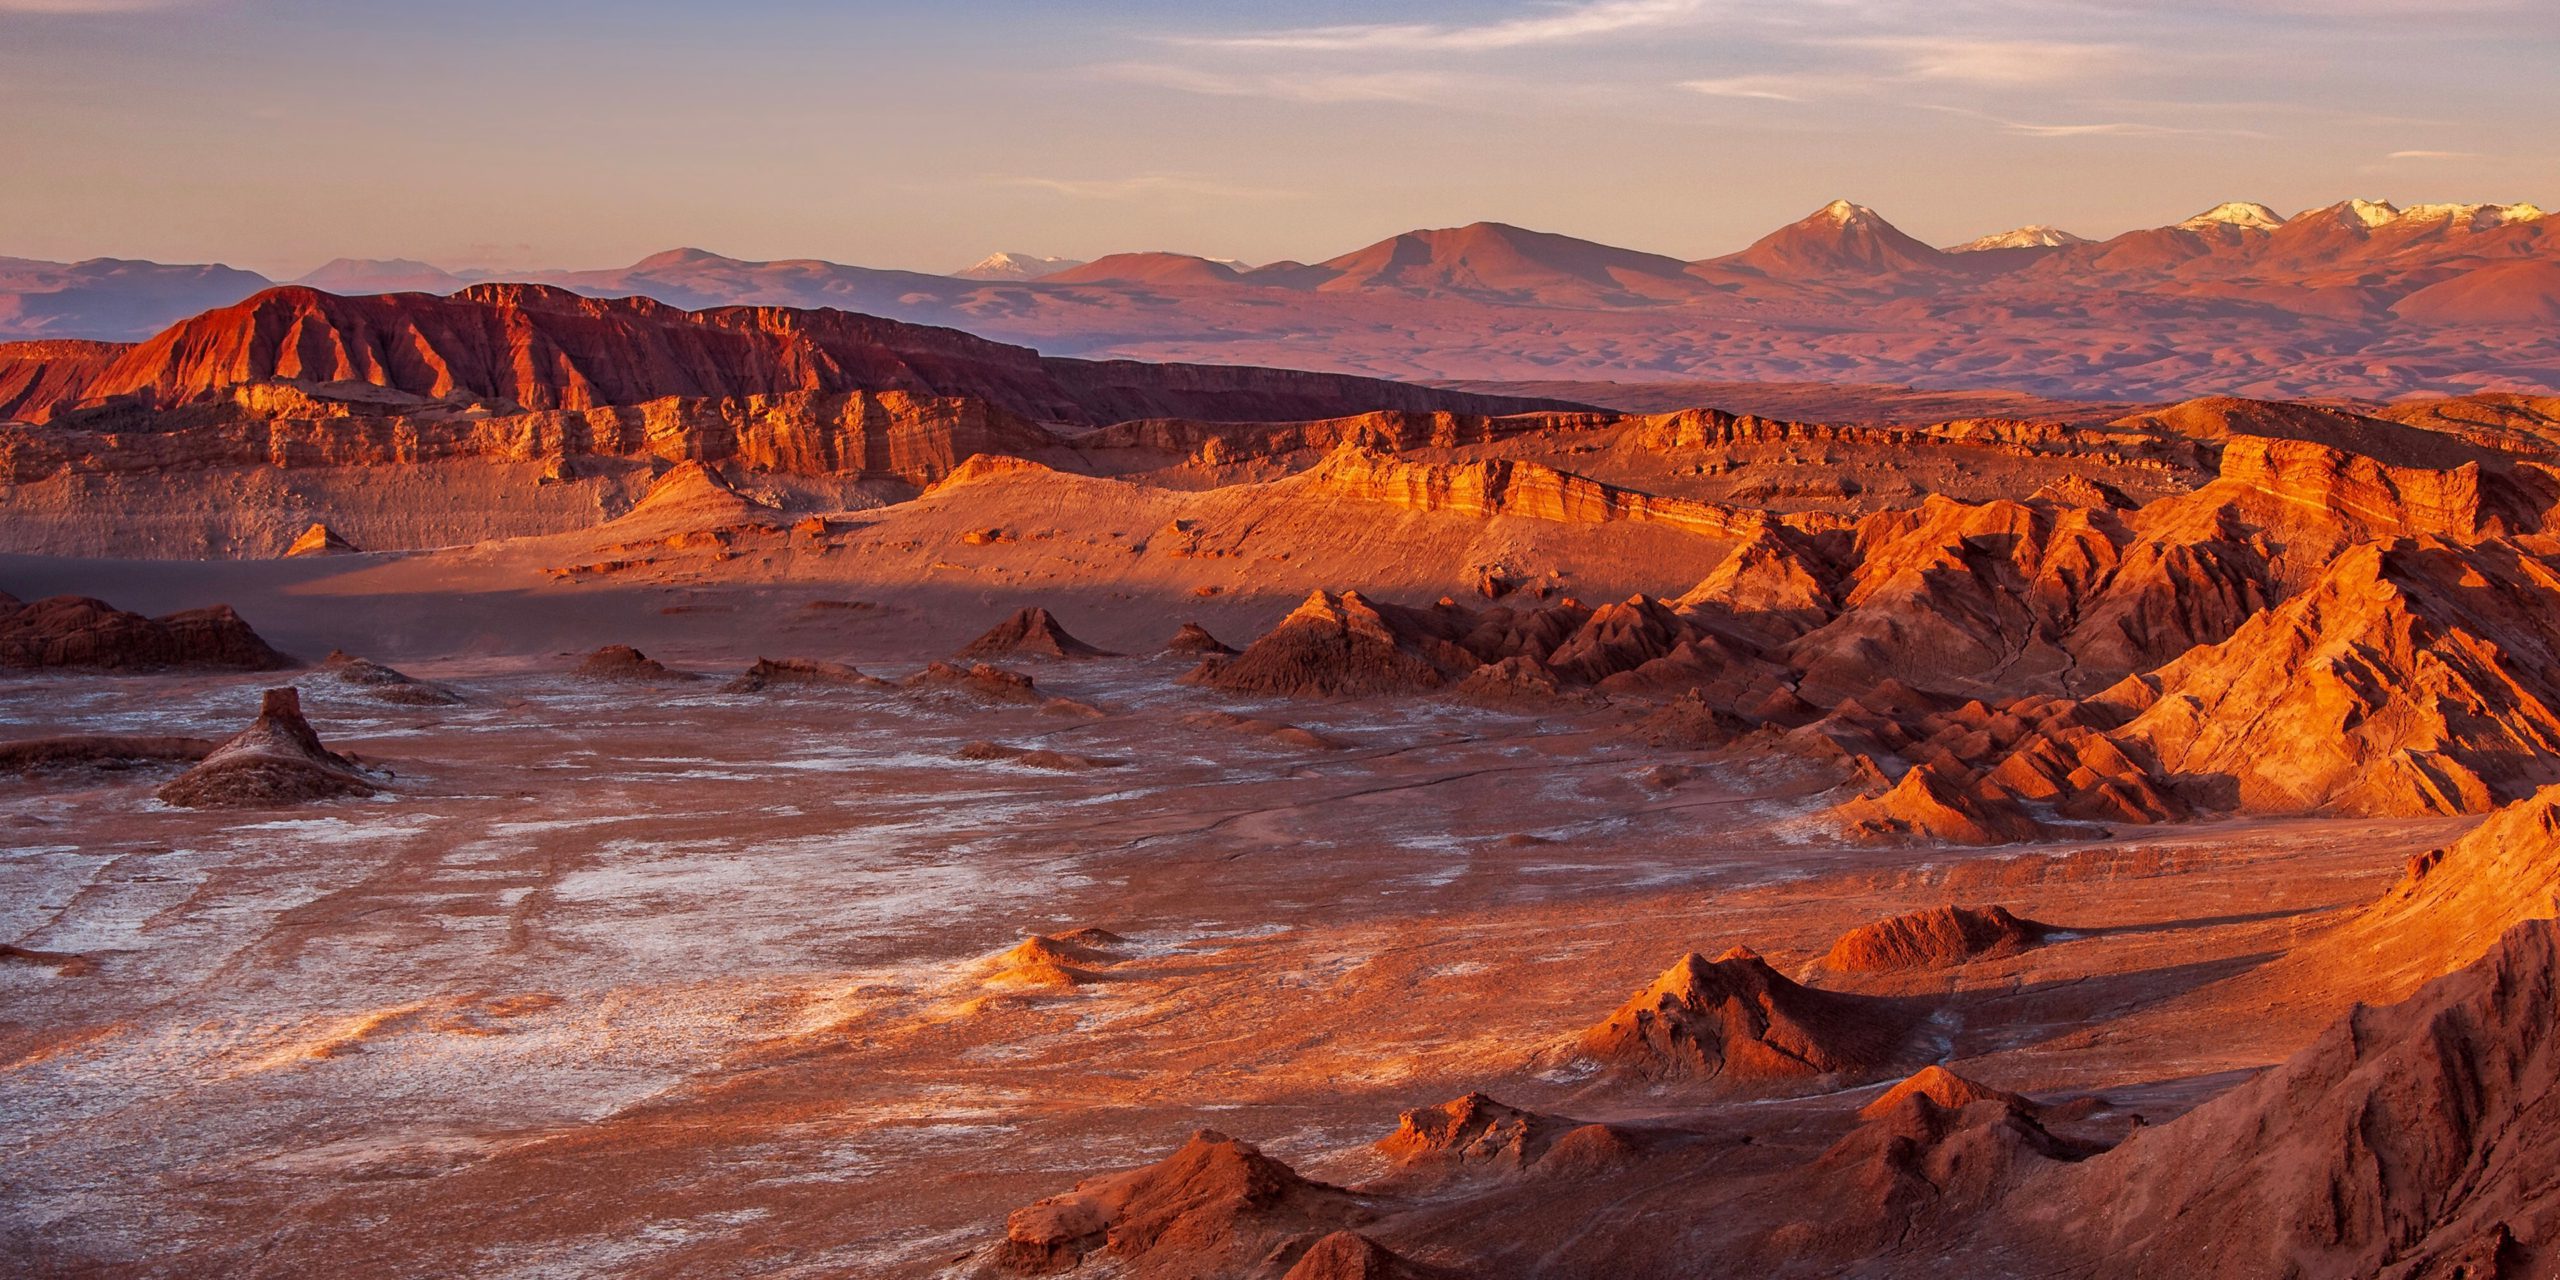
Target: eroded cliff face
[539, 348]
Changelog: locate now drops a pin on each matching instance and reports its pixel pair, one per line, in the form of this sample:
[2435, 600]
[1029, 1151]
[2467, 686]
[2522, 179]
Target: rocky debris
[1195, 639]
[321, 540]
[75, 632]
[2409, 1140]
[1932, 939]
[383, 684]
[622, 664]
[1921, 808]
[1215, 1208]
[1030, 632]
[105, 752]
[801, 674]
[1735, 1020]
[1035, 757]
[278, 760]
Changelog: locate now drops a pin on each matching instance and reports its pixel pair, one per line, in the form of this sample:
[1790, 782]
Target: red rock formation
[2412, 677]
[1935, 1149]
[1469, 1134]
[2455, 902]
[771, 674]
[1345, 646]
[1194, 639]
[277, 760]
[1736, 1020]
[1528, 490]
[1923, 807]
[622, 664]
[1217, 1207]
[78, 632]
[320, 540]
[37, 375]
[1934, 938]
[1349, 1255]
[2412, 1140]
[383, 684]
[1030, 632]
[545, 348]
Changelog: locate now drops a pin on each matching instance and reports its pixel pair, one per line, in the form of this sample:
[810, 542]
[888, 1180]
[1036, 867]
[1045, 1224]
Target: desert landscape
[1487, 755]
[789, 790]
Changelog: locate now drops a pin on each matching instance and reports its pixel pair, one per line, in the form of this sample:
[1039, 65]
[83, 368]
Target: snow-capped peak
[2363, 213]
[2472, 217]
[2248, 215]
[2032, 236]
[1844, 212]
[1015, 266]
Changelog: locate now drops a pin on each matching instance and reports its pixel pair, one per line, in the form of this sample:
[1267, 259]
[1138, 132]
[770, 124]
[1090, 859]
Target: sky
[278, 134]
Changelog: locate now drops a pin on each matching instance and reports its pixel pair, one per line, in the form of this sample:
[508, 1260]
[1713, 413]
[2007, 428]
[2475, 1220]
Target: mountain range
[2360, 298]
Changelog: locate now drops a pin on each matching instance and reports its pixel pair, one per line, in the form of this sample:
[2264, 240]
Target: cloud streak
[1556, 25]
[1320, 87]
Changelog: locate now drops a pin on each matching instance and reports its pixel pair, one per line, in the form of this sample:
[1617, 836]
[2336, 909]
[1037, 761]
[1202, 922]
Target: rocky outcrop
[78, 633]
[1215, 1208]
[622, 664]
[2454, 902]
[1194, 640]
[800, 675]
[1471, 1134]
[34, 376]
[1346, 646]
[1924, 808]
[278, 760]
[1933, 939]
[371, 679]
[1031, 632]
[2414, 1140]
[1525, 490]
[320, 540]
[1935, 1149]
[1736, 1021]
[2412, 677]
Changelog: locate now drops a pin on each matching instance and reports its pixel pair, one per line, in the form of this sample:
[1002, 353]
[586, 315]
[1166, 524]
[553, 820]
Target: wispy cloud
[1556, 24]
[1774, 88]
[2436, 155]
[1993, 63]
[1319, 87]
[1145, 185]
[2095, 129]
